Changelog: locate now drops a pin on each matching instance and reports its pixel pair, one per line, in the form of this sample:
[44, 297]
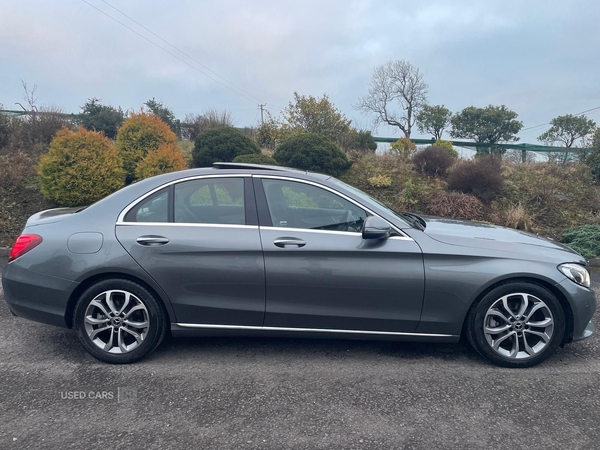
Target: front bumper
[35, 296]
[583, 306]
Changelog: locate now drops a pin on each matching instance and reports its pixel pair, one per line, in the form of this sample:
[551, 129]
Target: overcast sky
[539, 58]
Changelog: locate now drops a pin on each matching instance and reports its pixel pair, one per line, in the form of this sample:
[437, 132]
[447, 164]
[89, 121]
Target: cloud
[536, 57]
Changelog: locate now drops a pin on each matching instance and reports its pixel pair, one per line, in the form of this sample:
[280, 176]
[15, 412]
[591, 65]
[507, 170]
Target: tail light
[23, 244]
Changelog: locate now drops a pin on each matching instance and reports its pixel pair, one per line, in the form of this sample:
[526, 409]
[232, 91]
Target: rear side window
[211, 200]
[153, 209]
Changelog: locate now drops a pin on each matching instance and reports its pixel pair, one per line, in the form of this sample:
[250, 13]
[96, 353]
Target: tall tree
[568, 129]
[166, 115]
[316, 115]
[434, 119]
[397, 93]
[98, 117]
[490, 125]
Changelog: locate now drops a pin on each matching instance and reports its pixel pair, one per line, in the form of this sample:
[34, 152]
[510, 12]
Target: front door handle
[283, 242]
[152, 240]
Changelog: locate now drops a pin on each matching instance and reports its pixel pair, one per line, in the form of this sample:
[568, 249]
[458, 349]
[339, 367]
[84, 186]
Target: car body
[241, 249]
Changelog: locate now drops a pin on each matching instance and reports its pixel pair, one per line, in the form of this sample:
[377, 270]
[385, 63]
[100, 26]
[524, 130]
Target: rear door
[199, 240]
[322, 275]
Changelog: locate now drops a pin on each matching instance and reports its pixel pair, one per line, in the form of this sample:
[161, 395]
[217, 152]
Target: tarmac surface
[273, 393]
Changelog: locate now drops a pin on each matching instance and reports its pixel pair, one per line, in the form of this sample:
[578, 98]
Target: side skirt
[193, 329]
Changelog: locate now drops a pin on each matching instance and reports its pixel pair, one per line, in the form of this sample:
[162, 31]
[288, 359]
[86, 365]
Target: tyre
[119, 321]
[516, 325]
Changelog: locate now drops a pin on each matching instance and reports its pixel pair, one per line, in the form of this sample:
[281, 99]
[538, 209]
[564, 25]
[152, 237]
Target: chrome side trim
[346, 233]
[173, 224]
[344, 196]
[310, 330]
[179, 180]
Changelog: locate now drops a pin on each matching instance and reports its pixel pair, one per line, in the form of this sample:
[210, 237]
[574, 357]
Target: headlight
[577, 273]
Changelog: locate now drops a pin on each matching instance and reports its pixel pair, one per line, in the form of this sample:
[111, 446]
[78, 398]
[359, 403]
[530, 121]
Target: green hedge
[313, 152]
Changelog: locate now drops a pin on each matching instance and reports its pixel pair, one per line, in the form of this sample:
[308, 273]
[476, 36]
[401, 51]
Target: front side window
[210, 200]
[300, 205]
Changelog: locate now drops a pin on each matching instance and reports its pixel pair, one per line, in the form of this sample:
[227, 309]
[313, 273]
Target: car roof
[253, 169]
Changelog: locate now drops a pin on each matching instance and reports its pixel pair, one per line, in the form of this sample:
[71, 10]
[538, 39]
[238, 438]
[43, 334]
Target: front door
[200, 242]
[321, 274]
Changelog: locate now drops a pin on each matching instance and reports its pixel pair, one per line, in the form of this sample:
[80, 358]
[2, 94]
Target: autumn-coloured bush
[221, 145]
[313, 152]
[167, 158]
[433, 161]
[255, 158]
[80, 167]
[403, 147]
[140, 134]
[481, 177]
[456, 205]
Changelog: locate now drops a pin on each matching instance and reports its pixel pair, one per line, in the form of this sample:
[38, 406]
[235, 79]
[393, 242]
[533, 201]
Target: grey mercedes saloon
[241, 249]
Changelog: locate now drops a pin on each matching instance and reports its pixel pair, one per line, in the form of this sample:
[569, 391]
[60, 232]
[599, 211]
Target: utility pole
[262, 120]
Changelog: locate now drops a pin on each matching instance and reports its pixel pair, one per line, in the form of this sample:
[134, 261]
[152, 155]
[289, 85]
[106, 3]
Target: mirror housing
[376, 228]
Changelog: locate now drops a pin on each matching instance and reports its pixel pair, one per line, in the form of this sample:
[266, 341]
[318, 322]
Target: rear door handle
[292, 242]
[152, 240]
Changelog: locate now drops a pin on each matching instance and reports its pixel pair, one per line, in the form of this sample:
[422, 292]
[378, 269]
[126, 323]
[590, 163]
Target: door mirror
[376, 228]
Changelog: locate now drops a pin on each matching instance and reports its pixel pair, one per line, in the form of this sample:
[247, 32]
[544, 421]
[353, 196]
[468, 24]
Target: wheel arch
[562, 299]
[93, 279]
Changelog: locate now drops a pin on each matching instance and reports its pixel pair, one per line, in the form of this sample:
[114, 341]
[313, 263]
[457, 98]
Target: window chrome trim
[121, 218]
[310, 330]
[338, 193]
[187, 224]
[310, 230]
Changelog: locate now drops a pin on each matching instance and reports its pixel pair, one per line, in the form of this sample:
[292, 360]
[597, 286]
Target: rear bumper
[34, 296]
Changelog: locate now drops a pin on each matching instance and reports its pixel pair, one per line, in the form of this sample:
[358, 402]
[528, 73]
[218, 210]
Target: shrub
[221, 145]
[481, 177]
[198, 123]
[433, 161]
[584, 240]
[168, 158]
[140, 134]
[310, 151]
[411, 194]
[5, 129]
[255, 159]
[403, 147]
[380, 181]
[593, 159]
[98, 117]
[559, 196]
[15, 167]
[446, 145]
[456, 205]
[513, 216]
[80, 167]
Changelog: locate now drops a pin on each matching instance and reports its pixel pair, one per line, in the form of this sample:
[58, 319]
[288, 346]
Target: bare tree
[397, 93]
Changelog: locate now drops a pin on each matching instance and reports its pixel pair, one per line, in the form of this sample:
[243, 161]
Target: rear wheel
[516, 325]
[119, 321]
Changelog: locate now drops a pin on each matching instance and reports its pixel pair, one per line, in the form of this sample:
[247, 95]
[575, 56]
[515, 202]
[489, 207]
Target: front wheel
[516, 325]
[119, 321]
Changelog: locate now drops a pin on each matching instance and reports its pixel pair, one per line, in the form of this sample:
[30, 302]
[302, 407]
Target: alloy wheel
[518, 326]
[116, 321]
